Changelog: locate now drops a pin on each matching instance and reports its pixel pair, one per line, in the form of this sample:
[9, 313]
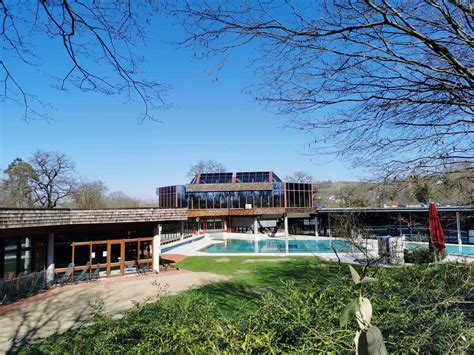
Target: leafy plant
[418, 309]
[422, 256]
[369, 338]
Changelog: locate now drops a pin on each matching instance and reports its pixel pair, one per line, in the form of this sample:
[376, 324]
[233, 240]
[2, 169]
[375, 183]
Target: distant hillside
[453, 188]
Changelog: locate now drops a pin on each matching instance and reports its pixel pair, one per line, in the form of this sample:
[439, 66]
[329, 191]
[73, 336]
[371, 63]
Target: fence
[22, 286]
[173, 237]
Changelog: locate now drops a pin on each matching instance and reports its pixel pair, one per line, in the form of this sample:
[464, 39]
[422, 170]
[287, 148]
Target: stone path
[60, 309]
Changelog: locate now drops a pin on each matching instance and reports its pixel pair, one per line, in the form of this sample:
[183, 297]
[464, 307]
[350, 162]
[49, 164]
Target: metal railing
[22, 286]
[168, 238]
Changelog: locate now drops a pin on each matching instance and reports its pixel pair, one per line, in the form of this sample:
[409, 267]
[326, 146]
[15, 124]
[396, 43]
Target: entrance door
[131, 255]
[99, 256]
[40, 256]
[115, 262]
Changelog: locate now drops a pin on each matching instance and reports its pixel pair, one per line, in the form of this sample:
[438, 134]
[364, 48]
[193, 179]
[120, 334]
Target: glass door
[115, 254]
[99, 257]
[131, 255]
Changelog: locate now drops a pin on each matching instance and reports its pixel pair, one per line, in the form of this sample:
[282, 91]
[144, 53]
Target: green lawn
[287, 305]
[253, 276]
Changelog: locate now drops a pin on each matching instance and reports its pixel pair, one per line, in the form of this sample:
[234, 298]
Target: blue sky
[209, 120]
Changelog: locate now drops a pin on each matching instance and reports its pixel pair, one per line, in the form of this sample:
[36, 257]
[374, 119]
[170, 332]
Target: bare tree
[353, 196]
[351, 227]
[118, 199]
[421, 189]
[98, 39]
[53, 180]
[89, 194]
[300, 177]
[206, 166]
[397, 76]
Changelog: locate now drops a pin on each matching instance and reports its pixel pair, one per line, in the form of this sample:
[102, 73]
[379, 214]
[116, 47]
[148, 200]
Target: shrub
[418, 309]
[421, 255]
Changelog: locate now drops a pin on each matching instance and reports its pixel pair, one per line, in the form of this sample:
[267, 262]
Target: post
[156, 248]
[329, 226]
[286, 225]
[255, 226]
[400, 231]
[27, 259]
[458, 229]
[50, 258]
[316, 227]
[411, 227]
[182, 230]
[2, 260]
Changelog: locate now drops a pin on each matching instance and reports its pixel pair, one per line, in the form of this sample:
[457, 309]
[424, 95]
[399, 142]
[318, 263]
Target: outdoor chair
[139, 268]
[40, 282]
[95, 275]
[10, 291]
[83, 275]
[67, 275]
[25, 285]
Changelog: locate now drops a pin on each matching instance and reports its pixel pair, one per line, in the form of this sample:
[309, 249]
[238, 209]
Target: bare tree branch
[99, 41]
[389, 85]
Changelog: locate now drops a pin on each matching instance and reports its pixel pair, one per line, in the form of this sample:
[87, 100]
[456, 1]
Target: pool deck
[62, 308]
[193, 249]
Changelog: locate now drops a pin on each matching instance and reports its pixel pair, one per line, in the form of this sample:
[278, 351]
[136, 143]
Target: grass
[287, 305]
[253, 276]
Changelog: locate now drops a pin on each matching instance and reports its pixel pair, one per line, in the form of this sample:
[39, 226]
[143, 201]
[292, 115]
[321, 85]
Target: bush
[421, 255]
[418, 309]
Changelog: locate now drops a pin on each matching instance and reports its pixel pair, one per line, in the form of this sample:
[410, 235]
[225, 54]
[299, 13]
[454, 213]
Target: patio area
[63, 308]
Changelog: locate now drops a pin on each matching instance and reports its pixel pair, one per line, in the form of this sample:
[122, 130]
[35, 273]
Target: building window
[298, 195]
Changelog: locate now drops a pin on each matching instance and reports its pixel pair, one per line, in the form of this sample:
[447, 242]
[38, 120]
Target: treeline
[49, 180]
[455, 187]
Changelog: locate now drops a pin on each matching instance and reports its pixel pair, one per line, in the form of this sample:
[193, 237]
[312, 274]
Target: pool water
[450, 248]
[279, 246]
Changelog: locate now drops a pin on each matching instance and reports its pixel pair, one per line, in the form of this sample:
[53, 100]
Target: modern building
[117, 240]
[240, 201]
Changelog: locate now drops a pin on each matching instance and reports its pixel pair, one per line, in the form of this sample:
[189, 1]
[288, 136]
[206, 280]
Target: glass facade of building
[276, 194]
[172, 196]
[240, 177]
[214, 178]
[19, 256]
[298, 195]
[265, 176]
[235, 199]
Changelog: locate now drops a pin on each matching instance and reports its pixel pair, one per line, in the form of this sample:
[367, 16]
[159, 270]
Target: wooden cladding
[251, 186]
[235, 212]
[24, 218]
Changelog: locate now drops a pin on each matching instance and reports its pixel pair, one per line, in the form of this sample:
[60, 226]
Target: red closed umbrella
[436, 231]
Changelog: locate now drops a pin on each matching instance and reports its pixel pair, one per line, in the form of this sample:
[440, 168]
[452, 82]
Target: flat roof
[395, 209]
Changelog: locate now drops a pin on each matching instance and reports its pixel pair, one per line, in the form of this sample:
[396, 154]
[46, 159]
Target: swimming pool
[274, 246]
[453, 249]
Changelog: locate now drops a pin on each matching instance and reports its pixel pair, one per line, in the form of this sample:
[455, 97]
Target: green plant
[422, 256]
[369, 338]
[418, 309]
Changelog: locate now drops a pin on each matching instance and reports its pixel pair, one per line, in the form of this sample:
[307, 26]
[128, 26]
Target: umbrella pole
[436, 259]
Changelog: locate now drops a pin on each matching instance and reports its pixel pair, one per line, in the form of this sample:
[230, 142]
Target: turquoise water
[279, 246]
[450, 248]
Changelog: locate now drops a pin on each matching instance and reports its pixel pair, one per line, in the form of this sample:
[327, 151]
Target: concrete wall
[242, 222]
